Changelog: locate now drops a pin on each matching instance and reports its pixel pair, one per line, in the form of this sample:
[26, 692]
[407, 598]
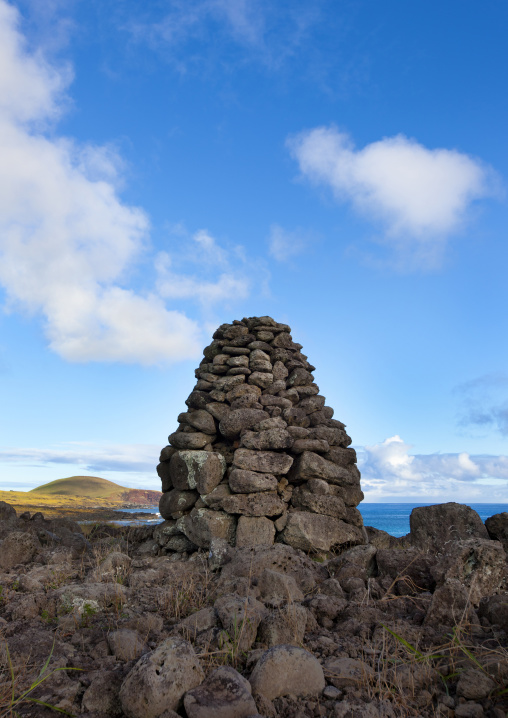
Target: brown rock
[198, 400]
[318, 446]
[259, 504]
[474, 685]
[347, 672]
[450, 606]
[201, 525]
[247, 482]
[160, 679]
[319, 504]
[313, 466]
[434, 526]
[286, 669]
[314, 532]
[185, 440]
[174, 501]
[284, 626]
[240, 618]
[479, 565]
[267, 462]
[126, 644]
[18, 547]
[497, 526]
[224, 694]
[276, 588]
[267, 440]
[254, 531]
[261, 379]
[237, 420]
[200, 470]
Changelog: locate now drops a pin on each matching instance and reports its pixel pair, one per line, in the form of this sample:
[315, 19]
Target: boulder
[479, 565]
[284, 626]
[497, 527]
[495, 610]
[315, 532]
[240, 618]
[202, 525]
[18, 547]
[102, 695]
[199, 470]
[319, 504]
[276, 588]
[265, 462]
[224, 694]
[432, 527]
[238, 419]
[246, 482]
[347, 672]
[310, 465]
[254, 531]
[175, 501]
[126, 644]
[287, 669]
[450, 605]
[160, 679]
[189, 440]
[265, 503]
[267, 440]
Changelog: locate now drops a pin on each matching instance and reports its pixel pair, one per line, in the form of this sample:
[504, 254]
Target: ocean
[394, 518]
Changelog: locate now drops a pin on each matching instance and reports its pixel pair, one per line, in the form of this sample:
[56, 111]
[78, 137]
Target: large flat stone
[313, 466]
[265, 462]
[248, 482]
[190, 440]
[319, 504]
[315, 532]
[276, 438]
[259, 504]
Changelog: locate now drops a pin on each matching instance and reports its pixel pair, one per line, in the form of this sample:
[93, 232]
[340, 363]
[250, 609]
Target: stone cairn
[257, 457]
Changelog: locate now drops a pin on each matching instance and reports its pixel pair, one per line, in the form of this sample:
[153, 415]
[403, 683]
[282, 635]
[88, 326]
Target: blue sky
[339, 166]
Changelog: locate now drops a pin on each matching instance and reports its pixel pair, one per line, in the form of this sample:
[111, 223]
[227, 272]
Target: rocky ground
[116, 624]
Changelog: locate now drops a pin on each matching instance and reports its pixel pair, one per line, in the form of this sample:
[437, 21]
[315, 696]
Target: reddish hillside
[143, 497]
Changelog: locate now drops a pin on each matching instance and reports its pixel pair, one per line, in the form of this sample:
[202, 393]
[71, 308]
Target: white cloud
[68, 242]
[85, 456]
[388, 470]
[285, 244]
[419, 195]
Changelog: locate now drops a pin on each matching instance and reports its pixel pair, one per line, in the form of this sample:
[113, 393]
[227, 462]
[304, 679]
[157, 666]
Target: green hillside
[91, 486]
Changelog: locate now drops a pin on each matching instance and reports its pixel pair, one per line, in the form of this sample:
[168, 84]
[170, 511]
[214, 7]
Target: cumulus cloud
[390, 471]
[419, 195]
[67, 241]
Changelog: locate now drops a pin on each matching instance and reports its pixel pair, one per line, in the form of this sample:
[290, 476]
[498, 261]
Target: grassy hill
[91, 486]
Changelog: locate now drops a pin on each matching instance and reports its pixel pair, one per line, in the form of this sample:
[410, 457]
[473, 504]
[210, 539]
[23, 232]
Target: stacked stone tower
[257, 456]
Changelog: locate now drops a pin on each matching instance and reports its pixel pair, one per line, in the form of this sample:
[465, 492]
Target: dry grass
[19, 681]
[184, 597]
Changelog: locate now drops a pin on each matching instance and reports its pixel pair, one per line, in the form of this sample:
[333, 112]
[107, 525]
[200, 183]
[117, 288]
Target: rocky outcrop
[256, 631]
[257, 457]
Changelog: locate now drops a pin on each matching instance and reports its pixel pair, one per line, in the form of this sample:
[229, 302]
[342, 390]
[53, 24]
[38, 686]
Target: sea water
[394, 518]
